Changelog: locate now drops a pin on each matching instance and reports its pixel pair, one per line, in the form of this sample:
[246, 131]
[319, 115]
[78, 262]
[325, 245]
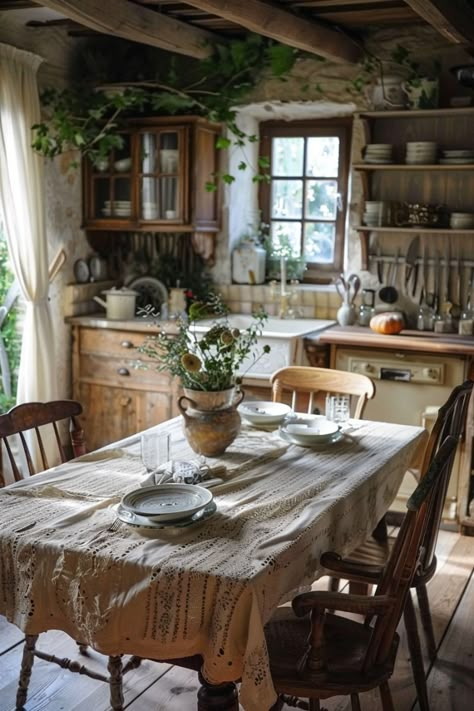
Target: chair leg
[426, 621]
[314, 705]
[333, 585]
[115, 682]
[25, 671]
[82, 647]
[386, 697]
[355, 702]
[414, 646]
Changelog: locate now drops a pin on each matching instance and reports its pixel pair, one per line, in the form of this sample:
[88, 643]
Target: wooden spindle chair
[363, 566]
[304, 382]
[31, 416]
[315, 654]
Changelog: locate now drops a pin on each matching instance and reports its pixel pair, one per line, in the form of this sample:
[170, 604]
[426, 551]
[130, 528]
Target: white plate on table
[142, 522]
[166, 502]
[264, 412]
[314, 444]
[309, 430]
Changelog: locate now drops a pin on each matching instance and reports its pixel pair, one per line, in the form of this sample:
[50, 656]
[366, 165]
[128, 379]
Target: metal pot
[120, 303]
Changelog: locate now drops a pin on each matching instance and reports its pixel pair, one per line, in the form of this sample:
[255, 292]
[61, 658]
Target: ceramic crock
[210, 432]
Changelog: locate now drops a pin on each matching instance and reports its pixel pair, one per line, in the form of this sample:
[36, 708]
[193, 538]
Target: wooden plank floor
[161, 687]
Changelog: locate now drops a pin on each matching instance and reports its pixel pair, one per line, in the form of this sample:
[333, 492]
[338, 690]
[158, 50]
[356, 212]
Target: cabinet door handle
[123, 371]
[126, 344]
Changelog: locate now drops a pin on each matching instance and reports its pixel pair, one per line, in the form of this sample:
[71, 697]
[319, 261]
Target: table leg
[217, 697]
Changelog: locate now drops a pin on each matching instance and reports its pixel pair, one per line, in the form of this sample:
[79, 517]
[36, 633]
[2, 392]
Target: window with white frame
[305, 199]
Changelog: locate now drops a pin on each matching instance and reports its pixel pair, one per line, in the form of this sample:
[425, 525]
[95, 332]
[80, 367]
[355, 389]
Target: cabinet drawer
[112, 342]
[121, 372]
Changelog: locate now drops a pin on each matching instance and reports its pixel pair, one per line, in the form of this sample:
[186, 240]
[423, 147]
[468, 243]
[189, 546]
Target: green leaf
[264, 162]
[210, 187]
[282, 58]
[223, 142]
[242, 165]
[228, 179]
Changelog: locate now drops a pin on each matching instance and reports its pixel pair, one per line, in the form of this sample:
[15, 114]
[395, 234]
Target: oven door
[410, 387]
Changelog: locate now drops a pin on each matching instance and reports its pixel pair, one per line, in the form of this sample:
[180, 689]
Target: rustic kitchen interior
[338, 199]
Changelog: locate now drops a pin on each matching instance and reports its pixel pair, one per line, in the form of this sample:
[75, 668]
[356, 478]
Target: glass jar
[466, 322]
[366, 309]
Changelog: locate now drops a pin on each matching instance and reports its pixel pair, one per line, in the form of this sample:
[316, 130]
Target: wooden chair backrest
[32, 416]
[407, 551]
[300, 379]
[451, 420]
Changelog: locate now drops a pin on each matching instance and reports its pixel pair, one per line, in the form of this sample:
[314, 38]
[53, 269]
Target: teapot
[120, 303]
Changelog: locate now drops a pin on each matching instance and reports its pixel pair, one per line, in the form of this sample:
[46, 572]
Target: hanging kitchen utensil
[456, 305]
[389, 294]
[379, 265]
[411, 261]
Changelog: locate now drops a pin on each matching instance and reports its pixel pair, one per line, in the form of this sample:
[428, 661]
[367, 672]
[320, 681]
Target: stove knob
[430, 373]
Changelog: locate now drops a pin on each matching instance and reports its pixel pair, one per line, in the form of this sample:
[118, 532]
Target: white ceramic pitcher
[120, 303]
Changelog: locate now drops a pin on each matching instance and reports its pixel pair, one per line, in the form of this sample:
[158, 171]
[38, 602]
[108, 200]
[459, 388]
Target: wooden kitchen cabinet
[157, 181]
[118, 398]
[448, 185]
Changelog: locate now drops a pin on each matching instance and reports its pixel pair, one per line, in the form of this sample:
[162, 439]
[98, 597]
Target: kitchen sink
[284, 336]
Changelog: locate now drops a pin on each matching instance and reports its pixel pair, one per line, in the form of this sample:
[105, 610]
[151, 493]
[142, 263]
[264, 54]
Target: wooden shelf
[418, 166]
[419, 113]
[414, 230]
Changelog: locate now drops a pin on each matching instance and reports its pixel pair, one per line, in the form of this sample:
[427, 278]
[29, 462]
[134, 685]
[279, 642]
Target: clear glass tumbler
[338, 408]
[155, 449]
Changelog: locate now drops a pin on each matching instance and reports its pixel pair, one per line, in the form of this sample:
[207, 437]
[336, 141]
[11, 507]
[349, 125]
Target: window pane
[321, 199]
[287, 156]
[286, 238]
[287, 198]
[322, 156]
[319, 241]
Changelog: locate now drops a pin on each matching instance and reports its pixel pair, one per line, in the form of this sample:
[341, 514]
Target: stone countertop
[445, 343]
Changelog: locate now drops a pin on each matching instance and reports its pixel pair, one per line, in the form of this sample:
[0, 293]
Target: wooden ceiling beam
[285, 27]
[136, 23]
[454, 19]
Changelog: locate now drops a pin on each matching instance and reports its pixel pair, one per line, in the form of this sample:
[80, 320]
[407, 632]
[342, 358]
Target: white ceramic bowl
[263, 412]
[311, 429]
[121, 166]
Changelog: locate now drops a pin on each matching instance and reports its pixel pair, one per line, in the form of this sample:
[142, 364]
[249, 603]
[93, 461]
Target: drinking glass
[155, 449]
[338, 408]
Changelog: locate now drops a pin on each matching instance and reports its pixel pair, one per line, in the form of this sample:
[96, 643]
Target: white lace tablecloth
[207, 589]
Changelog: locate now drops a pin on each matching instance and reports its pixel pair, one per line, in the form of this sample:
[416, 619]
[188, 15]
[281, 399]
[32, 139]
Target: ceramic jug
[210, 432]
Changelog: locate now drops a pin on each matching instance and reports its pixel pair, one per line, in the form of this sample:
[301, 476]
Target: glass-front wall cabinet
[157, 179]
[160, 175]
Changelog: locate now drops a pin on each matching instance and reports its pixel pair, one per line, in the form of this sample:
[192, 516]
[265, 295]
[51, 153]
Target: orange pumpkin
[388, 322]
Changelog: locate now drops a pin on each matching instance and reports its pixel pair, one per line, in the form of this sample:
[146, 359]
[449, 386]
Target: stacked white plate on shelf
[166, 505]
[310, 430]
[117, 208]
[376, 213]
[461, 220]
[457, 157]
[378, 153]
[421, 153]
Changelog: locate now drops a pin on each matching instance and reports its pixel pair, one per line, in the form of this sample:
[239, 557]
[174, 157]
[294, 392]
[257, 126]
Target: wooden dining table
[206, 589]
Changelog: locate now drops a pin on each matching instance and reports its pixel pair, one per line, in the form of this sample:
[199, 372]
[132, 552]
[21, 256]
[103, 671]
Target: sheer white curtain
[21, 202]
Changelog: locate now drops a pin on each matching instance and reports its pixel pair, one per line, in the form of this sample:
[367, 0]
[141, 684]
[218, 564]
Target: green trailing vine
[10, 331]
[89, 118]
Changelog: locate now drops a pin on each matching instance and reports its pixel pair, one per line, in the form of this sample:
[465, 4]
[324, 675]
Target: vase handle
[183, 410]
[238, 399]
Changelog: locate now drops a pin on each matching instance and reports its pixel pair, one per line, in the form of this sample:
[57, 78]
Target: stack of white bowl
[378, 153]
[150, 210]
[376, 213]
[421, 153]
[461, 220]
[117, 208]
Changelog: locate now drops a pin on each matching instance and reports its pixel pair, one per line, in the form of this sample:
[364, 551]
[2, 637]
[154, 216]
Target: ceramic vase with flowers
[208, 365]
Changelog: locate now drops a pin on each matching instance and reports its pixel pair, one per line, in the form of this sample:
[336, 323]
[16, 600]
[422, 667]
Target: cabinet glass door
[112, 184]
[161, 175]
